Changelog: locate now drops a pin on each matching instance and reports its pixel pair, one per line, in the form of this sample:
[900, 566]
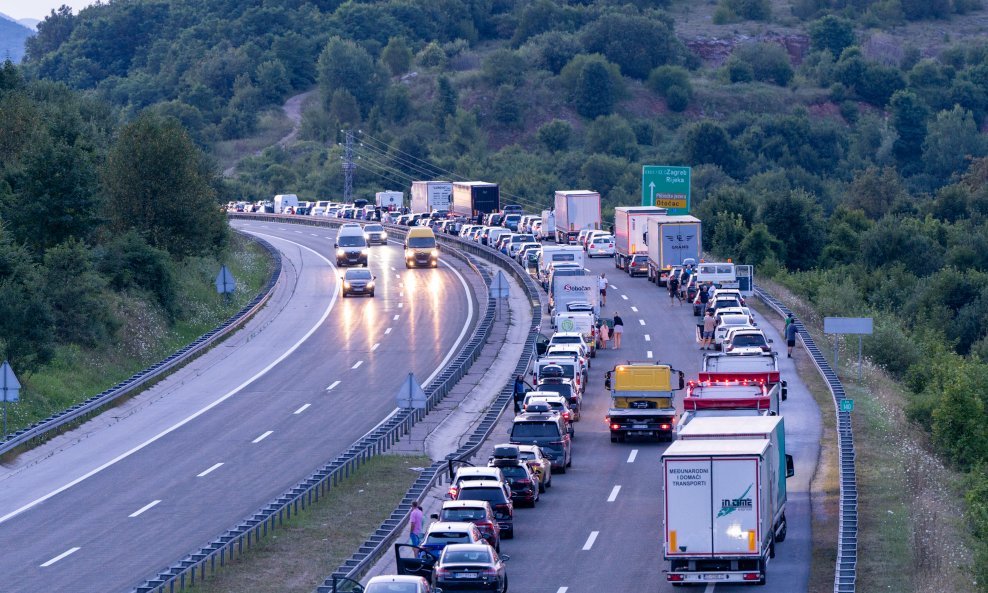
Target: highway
[122, 497]
[599, 528]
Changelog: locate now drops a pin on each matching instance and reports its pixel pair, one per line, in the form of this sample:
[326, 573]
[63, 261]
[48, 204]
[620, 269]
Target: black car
[524, 485]
[547, 430]
[358, 281]
[470, 566]
[499, 495]
[638, 266]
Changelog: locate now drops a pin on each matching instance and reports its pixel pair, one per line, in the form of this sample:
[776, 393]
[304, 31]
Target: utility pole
[348, 167]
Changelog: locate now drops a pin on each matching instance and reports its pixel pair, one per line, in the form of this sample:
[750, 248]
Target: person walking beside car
[709, 325]
[791, 334]
[604, 334]
[618, 330]
[415, 519]
[519, 395]
[602, 287]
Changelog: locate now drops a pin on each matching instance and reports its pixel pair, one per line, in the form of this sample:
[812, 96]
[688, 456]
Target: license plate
[466, 575]
[640, 426]
[715, 577]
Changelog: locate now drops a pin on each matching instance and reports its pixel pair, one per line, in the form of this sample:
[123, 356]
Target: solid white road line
[648, 338]
[392, 268]
[144, 508]
[262, 437]
[635, 309]
[614, 493]
[375, 346]
[395, 318]
[357, 365]
[387, 331]
[193, 416]
[586, 269]
[624, 296]
[641, 321]
[591, 540]
[648, 354]
[632, 455]
[613, 287]
[710, 588]
[302, 409]
[334, 384]
[562, 590]
[60, 556]
[210, 470]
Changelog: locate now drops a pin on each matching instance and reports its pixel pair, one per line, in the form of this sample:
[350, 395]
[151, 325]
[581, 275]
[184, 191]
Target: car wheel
[510, 534]
[541, 486]
[345, 295]
[505, 590]
[372, 294]
[549, 483]
[561, 470]
[570, 462]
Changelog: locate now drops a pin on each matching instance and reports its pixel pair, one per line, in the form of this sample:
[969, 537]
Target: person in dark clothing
[618, 330]
[674, 290]
[520, 390]
[791, 334]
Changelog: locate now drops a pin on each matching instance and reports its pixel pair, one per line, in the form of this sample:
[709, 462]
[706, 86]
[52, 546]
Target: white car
[601, 246]
[728, 322]
[737, 311]
[746, 340]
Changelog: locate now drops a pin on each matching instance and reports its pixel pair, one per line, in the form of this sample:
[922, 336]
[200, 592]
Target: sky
[38, 9]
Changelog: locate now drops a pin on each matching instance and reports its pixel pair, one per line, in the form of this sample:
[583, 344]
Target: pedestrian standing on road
[791, 334]
[789, 319]
[618, 330]
[604, 334]
[415, 519]
[674, 290]
[709, 324]
[602, 287]
[520, 391]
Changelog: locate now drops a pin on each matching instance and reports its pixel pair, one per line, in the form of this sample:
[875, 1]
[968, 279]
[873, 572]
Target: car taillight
[453, 491]
[675, 577]
[729, 348]
[565, 415]
[615, 426]
[443, 572]
[751, 576]
[488, 572]
[664, 426]
[525, 481]
[765, 348]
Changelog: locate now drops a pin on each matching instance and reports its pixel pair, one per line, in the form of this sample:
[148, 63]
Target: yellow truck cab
[642, 400]
[421, 248]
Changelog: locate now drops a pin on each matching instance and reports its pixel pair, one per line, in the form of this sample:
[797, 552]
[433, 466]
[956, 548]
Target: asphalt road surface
[144, 484]
[599, 528]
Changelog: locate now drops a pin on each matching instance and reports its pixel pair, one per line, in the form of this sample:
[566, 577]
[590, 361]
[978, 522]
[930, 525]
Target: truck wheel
[771, 548]
[783, 529]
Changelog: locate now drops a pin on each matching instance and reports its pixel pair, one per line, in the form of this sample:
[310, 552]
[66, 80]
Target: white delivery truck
[576, 210]
[431, 195]
[283, 202]
[672, 241]
[630, 230]
[722, 513]
[579, 288]
[552, 254]
[389, 200]
[548, 230]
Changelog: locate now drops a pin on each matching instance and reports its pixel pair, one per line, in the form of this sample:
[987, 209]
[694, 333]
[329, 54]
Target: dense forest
[828, 149]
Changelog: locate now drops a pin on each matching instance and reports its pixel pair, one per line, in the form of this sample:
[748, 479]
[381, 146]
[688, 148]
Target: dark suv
[565, 388]
[478, 512]
[499, 495]
[524, 485]
[547, 430]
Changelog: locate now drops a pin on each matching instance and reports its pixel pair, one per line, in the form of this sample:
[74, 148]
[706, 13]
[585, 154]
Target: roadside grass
[911, 531]
[272, 125]
[77, 374]
[298, 556]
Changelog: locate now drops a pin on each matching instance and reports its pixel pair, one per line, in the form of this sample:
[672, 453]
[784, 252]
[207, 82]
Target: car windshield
[351, 241]
[535, 430]
[468, 557]
[563, 389]
[639, 259]
[514, 471]
[373, 228]
[358, 275]
[392, 588]
[568, 371]
[566, 340]
[421, 242]
[491, 495]
[447, 537]
[522, 238]
[463, 514]
[748, 340]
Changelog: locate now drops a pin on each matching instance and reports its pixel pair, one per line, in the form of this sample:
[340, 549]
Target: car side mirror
[336, 245]
[373, 277]
[505, 557]
[682, 380]
[790, 467]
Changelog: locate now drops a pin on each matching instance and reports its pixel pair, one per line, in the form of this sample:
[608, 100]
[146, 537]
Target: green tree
[129, 263]
[595, 91]
[432, 56]
[759, 247]
[909, 121]
[769, 62]
[344, 65]
[397, 56]
[396, 104]
[797, 221]
[343, 108]
[272, 81]
[637, 44]
[507, 108]
[157, 182]
[555, 135]
[952, 139]
[611, 134]
[27, 325]
[445, 103]
[673, 83]
[831, 33]
[960, 425]
[708, 142]
[75, 291]
[504, 66]
[875, 191]
[728, 230]
[730, 11]
[602, 172]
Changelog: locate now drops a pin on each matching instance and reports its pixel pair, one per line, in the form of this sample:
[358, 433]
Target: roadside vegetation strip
[75, 371]
[294, 558]
[911, 509]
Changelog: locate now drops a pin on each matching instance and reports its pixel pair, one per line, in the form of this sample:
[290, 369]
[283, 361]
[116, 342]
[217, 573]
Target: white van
[560, 253]
[283, 202]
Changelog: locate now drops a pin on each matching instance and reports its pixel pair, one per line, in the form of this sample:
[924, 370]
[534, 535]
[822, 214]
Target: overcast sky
[38, 9]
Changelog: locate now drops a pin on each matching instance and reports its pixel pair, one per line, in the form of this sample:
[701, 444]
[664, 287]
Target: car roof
[451, 526]
[473, 470]
[567, 335]
[478, 547]
[482, 483]
[464, 504]
[399, 578]
[734, 319]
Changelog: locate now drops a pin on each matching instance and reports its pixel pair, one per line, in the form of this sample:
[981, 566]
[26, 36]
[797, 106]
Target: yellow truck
[642, 400]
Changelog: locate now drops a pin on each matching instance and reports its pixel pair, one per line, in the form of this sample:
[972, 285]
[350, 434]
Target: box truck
[573, 288]
[672, 241]
[642, 400]
[723, 508]
[431, 195]
[283, 202]
[389, 200]
[548, 230]
[475, 198]
[630, 232]
[575, 211]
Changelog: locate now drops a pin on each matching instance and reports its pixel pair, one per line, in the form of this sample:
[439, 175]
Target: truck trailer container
[428, 196]
[672, 241]
[475, 198]
[548, 230]
[642, 400]
[722, 513]
[389, 200]
[576, 210]
[630, 230]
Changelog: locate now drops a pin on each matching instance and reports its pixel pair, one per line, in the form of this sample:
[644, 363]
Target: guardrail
[224, 548]
[380, 541]
[110, 396]
[845, 571]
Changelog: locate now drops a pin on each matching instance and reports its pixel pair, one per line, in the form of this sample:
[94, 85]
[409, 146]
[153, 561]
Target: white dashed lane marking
[60, 556]
[141, 510]
[210, 470]
[302, 409]
[632, 455]
[614, 493]
[591, 540]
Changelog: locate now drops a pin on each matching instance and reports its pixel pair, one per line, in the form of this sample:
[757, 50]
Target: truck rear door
[736, 502]
[688, 520]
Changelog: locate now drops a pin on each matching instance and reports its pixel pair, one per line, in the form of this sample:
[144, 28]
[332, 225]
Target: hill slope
[13, 36]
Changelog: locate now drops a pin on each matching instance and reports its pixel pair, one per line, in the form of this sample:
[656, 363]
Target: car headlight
[366, 237]
[363, 251]
[346, 284]
[434, 253]
[384, 235]
[340, 253]
[409, 253]
[370, 285]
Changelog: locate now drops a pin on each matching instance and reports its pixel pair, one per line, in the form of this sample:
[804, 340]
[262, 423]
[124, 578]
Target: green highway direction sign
[666, 187]
[847, 405]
